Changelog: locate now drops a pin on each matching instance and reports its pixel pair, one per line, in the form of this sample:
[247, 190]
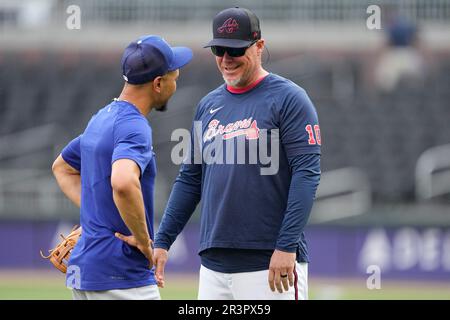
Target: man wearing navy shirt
[253, 215]
[109, 172]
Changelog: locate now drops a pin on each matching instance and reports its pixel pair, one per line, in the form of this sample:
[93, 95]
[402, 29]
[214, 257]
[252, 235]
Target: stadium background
[384, 195]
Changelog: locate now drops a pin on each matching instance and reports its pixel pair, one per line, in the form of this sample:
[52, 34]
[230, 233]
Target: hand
[281, 264]
[146, 249]
[160, 257]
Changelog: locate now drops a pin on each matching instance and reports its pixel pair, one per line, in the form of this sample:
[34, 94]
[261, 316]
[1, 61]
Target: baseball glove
[60, 255]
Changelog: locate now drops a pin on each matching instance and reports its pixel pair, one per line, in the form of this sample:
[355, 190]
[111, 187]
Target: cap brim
[231, 43]
[181, 57]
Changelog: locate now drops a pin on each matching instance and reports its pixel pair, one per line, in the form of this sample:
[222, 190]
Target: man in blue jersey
[109, 172]
[253, 212]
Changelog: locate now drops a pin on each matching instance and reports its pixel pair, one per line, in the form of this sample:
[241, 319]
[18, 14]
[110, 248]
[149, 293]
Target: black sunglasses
[232, 52]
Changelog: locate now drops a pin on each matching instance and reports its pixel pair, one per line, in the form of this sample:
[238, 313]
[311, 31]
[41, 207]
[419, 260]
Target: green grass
[59, 292]
[180, 288]
[49, 285]
[27, 285]
[33, 286]
[355, 289]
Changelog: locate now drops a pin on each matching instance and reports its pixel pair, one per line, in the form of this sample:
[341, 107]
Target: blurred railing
[28, 191]
[32, 193]
[342, 193]
[27, 141]
[101, 12]
[433, 173]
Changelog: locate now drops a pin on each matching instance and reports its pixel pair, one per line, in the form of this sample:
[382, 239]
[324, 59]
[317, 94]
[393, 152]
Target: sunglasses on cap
[232, 52]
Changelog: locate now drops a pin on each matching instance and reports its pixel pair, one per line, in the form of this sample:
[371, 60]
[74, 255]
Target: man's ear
[260, 46]
[157, 84]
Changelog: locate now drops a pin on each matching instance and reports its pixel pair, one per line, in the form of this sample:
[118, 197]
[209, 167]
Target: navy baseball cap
[151, 56]
[235, 28]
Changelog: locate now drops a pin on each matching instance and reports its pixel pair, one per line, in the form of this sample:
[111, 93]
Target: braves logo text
[239, 142]
[245, 127]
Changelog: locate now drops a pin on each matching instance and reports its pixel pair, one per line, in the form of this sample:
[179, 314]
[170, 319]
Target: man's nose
[227, 57]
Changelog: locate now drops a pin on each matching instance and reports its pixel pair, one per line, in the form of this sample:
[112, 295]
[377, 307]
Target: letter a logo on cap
[229, 26]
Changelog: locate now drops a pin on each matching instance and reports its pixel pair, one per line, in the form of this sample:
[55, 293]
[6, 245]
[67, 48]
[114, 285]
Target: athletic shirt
[245, 215]
[100, 261]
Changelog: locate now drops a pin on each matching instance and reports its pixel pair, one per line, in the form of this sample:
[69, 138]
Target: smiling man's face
[239, 72]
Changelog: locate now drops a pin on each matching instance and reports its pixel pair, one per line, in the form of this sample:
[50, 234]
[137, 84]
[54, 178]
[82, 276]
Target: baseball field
[49, 285]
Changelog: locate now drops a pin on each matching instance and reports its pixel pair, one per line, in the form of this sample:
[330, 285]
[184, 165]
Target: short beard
[232, 83]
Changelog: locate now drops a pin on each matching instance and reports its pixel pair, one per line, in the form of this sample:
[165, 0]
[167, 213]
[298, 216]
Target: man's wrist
[290, 249]
[161, 245]
[144, 242]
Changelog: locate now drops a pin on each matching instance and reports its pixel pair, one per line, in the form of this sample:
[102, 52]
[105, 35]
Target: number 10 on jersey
[311, 134]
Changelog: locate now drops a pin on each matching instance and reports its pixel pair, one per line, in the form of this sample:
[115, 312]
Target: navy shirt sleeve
[184, 197]
[72, 153]
[300, 137]
[302, 191]
[299, 125]
[133, 140]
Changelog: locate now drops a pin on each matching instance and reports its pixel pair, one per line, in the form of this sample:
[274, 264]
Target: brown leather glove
[60, 255]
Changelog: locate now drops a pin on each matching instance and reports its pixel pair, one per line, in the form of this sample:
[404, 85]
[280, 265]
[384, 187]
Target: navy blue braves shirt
[100, 261]
[246, 214]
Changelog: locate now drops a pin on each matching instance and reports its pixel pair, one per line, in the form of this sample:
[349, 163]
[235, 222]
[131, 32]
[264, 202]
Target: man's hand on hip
[146, 249]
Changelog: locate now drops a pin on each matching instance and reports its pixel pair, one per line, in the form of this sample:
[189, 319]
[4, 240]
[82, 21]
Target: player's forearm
[69, 182]
[304, 183]
[71, 187]
[130, 203]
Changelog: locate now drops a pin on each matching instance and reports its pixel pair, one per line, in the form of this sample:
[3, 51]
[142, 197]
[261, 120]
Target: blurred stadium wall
[382, 97]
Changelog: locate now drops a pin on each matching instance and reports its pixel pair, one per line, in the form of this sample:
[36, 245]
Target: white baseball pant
[150, 292]
[215, 285]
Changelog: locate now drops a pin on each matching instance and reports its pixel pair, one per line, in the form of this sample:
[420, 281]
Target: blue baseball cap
[151, 56]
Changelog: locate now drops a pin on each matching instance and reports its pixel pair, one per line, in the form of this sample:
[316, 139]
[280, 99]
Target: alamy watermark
[241, 142]
[374, 280]
[73, 21]
[73, 278]
[373, 22]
